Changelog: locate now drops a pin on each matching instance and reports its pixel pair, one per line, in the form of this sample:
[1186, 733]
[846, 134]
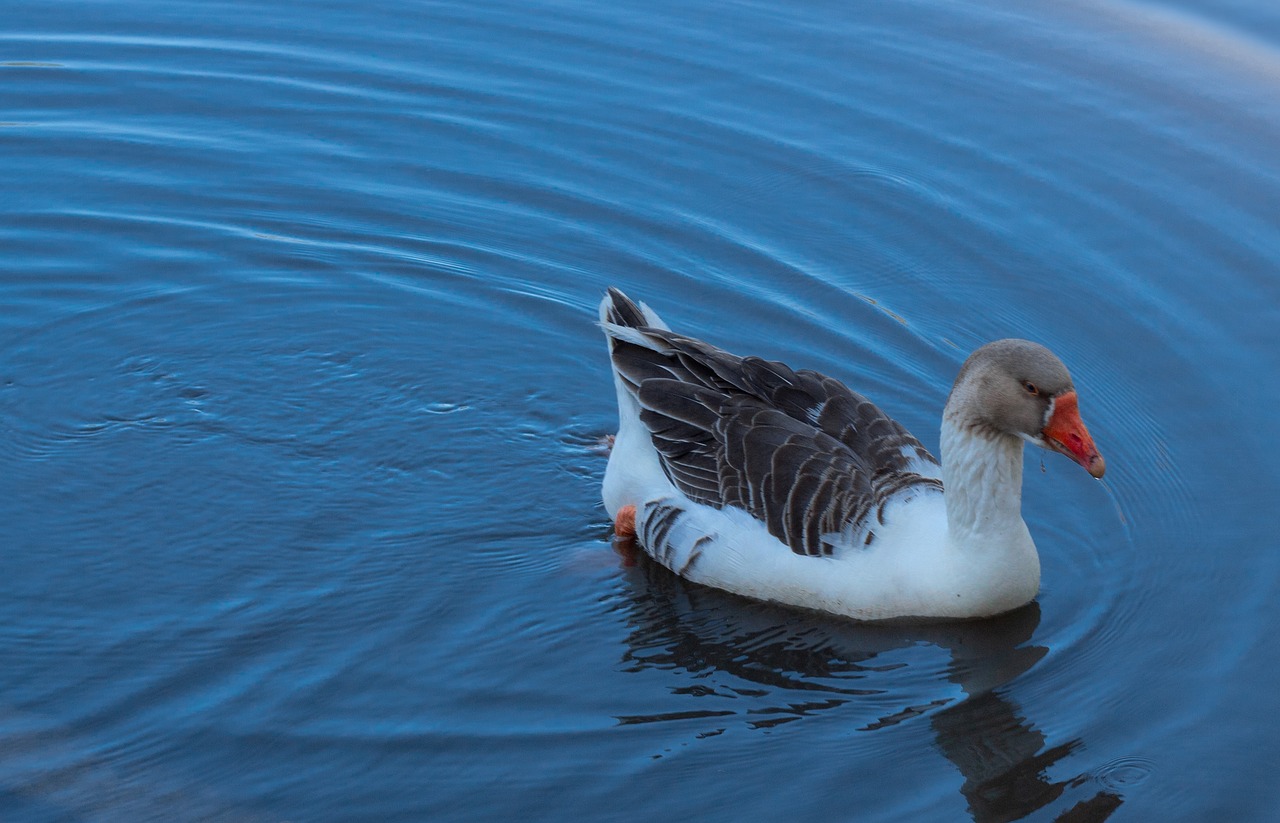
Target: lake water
[301, 398]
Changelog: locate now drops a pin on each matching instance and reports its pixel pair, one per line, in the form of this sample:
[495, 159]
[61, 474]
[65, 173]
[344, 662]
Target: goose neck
[982, 475]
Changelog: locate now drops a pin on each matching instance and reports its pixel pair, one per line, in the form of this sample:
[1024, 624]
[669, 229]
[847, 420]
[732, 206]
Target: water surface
[301, 397]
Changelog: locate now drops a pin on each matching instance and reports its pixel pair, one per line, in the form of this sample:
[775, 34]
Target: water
[300, 397]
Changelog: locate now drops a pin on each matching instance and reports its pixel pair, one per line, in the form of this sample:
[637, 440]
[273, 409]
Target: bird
[786, 486]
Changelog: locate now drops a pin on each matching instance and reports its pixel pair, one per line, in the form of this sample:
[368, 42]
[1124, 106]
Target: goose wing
[813, 460]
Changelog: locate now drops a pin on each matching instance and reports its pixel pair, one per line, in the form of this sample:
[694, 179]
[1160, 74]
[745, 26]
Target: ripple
[1125, 772]
[302, 396]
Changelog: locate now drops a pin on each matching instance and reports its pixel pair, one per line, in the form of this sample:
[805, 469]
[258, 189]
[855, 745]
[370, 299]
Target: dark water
[300, 392]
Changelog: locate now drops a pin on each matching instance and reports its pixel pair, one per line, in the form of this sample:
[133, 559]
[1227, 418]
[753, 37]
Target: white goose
[786, 486]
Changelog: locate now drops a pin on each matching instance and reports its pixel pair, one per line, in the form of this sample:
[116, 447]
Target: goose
[786, 486]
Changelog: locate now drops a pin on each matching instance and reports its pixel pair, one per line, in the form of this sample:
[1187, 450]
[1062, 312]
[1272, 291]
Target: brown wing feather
[796, 449]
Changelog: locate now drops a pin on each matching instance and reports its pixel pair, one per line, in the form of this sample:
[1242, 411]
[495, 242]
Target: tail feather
[619, 310]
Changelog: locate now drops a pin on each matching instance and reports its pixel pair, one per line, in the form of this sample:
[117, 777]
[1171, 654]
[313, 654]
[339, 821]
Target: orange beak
[1066, 433]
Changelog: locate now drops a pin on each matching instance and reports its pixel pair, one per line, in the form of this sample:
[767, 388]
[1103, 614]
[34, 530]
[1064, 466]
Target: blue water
[301, 398]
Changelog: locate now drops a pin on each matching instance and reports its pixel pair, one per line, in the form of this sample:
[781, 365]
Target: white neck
[982, 476]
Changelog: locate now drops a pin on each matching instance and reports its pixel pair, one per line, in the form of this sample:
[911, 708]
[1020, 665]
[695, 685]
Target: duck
[786, 486]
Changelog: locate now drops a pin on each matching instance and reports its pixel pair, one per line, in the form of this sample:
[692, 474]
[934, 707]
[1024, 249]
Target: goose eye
[1030, 387]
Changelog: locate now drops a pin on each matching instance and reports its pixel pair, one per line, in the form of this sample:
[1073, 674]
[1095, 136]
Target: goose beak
[1065, 432]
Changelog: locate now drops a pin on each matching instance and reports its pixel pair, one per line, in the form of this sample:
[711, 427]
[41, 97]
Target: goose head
[1019, 388]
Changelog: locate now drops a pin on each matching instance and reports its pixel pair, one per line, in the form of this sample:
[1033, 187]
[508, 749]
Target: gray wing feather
[797, 449]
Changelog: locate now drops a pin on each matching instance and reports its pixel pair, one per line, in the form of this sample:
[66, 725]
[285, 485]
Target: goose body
[786, 486]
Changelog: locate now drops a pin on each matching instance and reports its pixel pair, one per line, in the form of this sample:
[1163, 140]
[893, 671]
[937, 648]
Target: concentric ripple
[301, 402]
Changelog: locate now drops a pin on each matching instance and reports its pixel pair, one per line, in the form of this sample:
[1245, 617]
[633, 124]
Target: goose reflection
[789, 665]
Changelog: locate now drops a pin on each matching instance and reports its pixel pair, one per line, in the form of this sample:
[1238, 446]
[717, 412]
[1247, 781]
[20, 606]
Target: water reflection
[785, 666]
